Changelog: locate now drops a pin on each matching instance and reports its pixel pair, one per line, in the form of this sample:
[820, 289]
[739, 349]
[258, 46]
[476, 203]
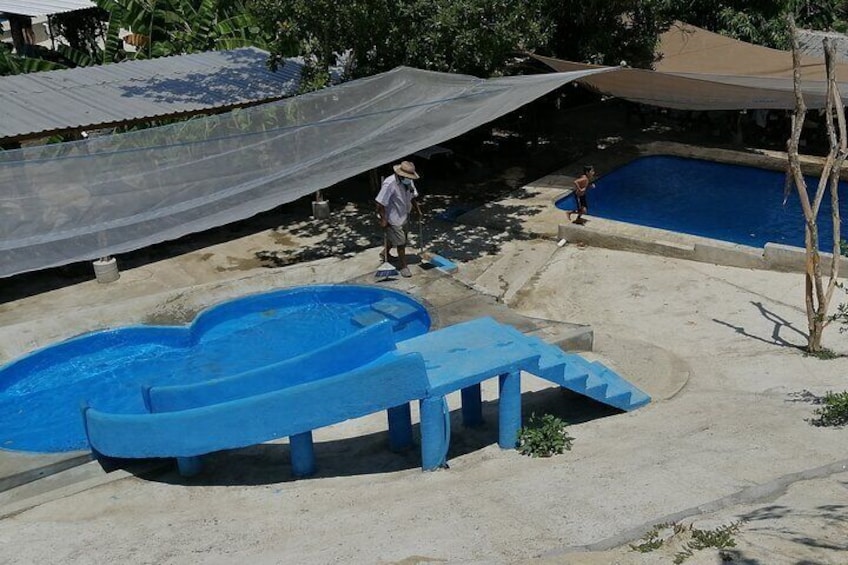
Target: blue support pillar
[509, 416]
[400, 427]
[472, 406]
[433, 433]
[302, 454]
[189, 466]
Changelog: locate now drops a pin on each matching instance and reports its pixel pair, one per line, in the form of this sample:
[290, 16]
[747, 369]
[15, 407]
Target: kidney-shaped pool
[41, 393]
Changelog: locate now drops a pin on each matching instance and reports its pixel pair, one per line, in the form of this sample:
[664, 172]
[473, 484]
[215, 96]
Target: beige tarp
[701, 70]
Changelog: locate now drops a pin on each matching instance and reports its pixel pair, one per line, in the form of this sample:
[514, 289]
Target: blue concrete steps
[368, 318]
[592, 379]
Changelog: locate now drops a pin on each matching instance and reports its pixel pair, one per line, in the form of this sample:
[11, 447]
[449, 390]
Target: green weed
[833, 410]
[719, 538]
[651, 540]
[543, 437]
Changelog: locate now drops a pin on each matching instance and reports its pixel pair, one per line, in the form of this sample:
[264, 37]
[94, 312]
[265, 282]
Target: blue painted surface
[348, 353]
[40, 393]
[391, 380]
[443, 264]
[207, 418]
[728, 202]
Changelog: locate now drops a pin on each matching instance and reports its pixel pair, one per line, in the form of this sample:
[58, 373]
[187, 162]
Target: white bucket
[106, 271]
[321, 210]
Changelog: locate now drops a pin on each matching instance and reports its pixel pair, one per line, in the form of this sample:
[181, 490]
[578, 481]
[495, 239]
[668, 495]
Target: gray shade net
[79, 201]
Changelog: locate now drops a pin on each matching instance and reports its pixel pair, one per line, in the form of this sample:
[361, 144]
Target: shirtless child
[582, 184]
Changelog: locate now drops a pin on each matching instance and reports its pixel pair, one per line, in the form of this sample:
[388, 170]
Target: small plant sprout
[543, 437]
[652, 539]
[833, 410]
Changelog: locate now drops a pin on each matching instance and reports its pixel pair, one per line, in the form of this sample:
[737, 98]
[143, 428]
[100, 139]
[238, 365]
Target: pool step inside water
[387, 309]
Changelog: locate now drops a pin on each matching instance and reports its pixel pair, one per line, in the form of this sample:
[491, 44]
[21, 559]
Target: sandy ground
[726, 440]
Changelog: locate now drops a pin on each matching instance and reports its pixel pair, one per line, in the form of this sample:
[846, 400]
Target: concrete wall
[773, 256]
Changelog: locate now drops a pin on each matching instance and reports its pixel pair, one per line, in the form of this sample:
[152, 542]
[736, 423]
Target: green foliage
[841, 314]
[720, 538]
[465, 36]
[82, 29]
[472, 36]
[823, 354]
[833, 410]
[647, 546]
[544, 437]
[607, 31]
[651, 540]
[692, 539]
[11, 64]
[762, 22]
[175, 27]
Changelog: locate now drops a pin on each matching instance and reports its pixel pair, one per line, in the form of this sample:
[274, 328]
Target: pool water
[732, 203]
[41, 394]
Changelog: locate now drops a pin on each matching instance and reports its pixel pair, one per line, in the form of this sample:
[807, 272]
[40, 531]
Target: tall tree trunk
[817, 294]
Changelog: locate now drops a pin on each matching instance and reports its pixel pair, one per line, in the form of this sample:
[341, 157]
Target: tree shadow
[487, 163]
[737, 556]
[368, 454]
[219, 82]
[826, 514]
[354, 228]
[779, 324]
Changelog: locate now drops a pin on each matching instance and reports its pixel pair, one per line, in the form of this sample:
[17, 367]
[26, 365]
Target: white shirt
[396, 199]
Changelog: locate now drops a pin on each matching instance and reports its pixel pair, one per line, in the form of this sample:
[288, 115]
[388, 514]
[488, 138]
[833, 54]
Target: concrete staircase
[592, 379]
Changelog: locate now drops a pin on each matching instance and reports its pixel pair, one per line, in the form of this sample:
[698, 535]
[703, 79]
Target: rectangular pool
[732, 203]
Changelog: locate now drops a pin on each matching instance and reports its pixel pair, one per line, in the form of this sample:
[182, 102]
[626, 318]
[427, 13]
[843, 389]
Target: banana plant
[174, 27]
[11, 64]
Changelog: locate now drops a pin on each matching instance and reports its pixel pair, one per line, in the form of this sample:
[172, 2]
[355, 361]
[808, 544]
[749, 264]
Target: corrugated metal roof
[85, 97]
[43, 7]
[810, 43]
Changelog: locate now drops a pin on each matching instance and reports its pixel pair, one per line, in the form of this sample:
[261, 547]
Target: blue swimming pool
[728, 202]
[41, 393]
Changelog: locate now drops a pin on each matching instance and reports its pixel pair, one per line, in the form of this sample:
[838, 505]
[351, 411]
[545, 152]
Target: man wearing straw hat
[394, 202]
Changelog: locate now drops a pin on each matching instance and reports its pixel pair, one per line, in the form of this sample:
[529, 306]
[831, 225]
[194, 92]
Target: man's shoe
[405, 272]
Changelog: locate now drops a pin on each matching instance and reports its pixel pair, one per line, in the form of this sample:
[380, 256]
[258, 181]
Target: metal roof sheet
[86, 97]
[43, 7]
[810, 43]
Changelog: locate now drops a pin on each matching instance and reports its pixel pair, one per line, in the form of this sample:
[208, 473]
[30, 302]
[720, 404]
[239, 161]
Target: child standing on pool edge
[581, 185]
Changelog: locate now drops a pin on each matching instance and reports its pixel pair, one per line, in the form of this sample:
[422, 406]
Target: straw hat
[406, 169]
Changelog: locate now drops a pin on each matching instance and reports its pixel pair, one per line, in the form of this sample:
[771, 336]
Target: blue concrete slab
[464, 354]
[391, 381]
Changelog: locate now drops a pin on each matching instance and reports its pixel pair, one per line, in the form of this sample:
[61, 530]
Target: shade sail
[78, 201]
[686, 48]
[701, 70]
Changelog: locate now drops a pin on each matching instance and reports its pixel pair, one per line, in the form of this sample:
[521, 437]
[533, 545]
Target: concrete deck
[726, 439]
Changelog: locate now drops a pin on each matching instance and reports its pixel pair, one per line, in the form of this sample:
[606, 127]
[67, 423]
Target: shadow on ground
[270, 463]
[780, 325]
[486, 163]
